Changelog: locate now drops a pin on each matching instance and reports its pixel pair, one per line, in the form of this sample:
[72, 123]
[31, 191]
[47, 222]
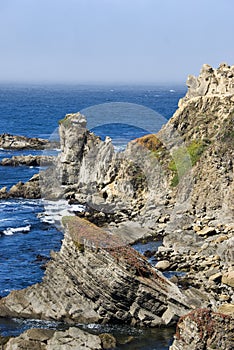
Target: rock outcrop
[73, 338]
[29, 160]
[211, 82]
[15, 142]
[183, 171]
[202, 329]
[30, 189]
[95, 278]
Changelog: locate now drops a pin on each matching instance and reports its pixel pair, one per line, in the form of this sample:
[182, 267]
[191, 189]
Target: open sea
[26, 239]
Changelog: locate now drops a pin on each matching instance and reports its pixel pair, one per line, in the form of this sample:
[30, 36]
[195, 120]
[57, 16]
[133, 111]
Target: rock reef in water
[14, 142]
[29, 160]
[30, 189]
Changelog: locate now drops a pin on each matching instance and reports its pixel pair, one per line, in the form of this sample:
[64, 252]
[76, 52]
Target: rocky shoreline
[177, 184]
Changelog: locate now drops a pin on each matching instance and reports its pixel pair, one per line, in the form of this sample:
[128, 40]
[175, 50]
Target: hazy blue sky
[113, 40]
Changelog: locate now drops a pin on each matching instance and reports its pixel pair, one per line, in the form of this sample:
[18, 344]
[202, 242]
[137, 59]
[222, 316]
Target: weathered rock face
[94, 278]
[202, 329]
[211, 82]
[185, 170]
[8, 141]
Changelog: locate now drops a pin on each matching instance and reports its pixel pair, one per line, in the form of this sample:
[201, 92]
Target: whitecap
[11, 230]
[55, 210]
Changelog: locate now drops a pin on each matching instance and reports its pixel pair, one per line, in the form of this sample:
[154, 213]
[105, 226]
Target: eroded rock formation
[95, 278]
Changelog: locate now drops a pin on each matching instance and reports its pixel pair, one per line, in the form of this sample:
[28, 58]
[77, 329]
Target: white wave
[11, 230]
[55, 210]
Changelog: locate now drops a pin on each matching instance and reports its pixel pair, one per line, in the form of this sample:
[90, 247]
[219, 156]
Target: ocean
[26, 238]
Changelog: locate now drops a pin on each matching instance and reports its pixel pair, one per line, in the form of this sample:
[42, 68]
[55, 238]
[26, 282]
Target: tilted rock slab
[94, 278]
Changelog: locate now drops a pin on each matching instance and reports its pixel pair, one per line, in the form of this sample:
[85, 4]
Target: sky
[113, 41]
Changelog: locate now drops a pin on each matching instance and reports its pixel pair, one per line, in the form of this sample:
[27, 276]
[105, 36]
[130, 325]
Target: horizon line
[94, 83]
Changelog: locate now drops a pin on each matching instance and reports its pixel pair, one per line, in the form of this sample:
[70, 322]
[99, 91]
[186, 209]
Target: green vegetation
[65, 121]
[184, 158]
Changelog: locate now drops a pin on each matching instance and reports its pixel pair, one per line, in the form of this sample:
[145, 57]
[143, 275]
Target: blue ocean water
[122, 112]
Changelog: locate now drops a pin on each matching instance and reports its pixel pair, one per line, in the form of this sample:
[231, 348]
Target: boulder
[163, 265]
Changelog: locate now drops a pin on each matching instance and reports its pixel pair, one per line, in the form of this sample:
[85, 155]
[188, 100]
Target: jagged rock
[8, 141]
[211, 82]
[28, 161]
[30, 189]
[202, 329]
[95, 278]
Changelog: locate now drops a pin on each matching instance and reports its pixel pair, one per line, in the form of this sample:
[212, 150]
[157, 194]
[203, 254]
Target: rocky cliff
[178, 183]
[183, 172]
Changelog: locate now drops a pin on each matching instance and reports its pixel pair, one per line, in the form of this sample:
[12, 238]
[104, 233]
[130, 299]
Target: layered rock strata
[94, 278]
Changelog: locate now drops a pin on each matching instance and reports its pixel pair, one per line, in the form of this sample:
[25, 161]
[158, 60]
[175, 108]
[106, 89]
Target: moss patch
[184, 158]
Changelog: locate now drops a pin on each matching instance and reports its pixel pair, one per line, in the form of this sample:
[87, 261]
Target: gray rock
[8, 141]
[28, 161]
